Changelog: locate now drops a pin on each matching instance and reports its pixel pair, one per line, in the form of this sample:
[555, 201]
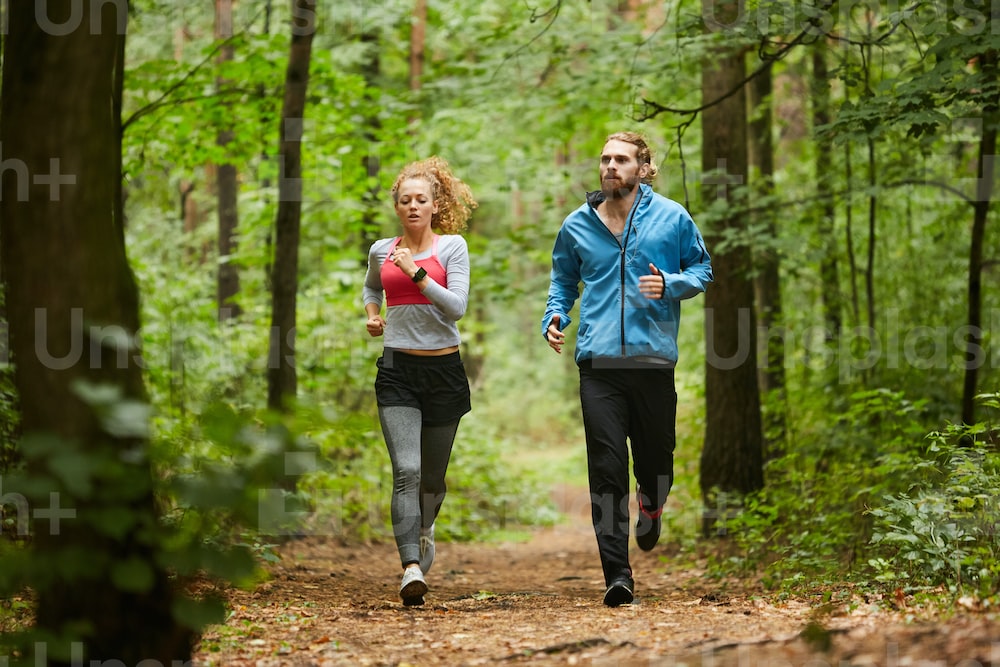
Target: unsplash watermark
[749, 655]
[23, 513]
[894, 345]
[96, 17]
[55, 179]
[77, 651]
[855, 349]
[957, 17]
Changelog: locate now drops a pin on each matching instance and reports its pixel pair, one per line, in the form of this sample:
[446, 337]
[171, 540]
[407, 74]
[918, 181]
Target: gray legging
[419, 456]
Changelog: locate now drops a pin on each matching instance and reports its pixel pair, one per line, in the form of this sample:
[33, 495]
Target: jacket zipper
[623, 245]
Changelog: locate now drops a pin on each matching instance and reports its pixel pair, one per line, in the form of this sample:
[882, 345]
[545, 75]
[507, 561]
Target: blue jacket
[616, 320]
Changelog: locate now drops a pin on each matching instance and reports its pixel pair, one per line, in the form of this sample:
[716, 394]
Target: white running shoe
[413, 587]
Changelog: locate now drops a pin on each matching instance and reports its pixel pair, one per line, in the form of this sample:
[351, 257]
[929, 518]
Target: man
[637, 254]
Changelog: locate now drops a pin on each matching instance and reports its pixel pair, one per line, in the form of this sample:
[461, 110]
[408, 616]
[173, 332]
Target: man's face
[621, 172]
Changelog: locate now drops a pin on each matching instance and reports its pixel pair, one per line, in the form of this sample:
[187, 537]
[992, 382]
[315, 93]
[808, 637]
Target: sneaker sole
[617, 596]
[413, 593]
[646, 543]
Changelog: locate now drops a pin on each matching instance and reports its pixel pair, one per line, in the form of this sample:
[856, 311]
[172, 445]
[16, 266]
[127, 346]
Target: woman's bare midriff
[431, 353]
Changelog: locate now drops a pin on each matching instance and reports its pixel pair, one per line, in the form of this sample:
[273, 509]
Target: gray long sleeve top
[424, 326]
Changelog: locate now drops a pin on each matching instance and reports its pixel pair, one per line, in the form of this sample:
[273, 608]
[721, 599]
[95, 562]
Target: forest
[187, 382]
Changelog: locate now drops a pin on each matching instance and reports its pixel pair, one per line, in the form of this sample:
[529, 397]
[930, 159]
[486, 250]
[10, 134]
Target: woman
[421, 386]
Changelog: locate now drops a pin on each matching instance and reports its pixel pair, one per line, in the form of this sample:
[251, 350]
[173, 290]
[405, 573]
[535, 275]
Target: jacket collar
[596, 197]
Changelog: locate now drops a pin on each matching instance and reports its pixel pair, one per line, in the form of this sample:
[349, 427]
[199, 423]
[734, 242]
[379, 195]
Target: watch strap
[420, 274]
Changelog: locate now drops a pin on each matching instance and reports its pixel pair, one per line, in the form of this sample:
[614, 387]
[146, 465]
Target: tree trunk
[852, 262]
[371, 161]
[872, 204]
[988, 63]
[227, 188]
[281, 378]
[418, 34]
[767, 283]
[74, 321]
[832, 297]
[872, 234]
[731, 461]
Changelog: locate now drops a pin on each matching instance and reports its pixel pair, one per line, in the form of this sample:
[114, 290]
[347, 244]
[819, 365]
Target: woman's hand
[375, 325]
[403, 258]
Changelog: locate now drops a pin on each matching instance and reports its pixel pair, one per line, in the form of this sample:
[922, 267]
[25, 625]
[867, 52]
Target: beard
[618, 188]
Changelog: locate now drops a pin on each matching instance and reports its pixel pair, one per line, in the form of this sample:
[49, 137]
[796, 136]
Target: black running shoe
[621, 591]
[647, 526]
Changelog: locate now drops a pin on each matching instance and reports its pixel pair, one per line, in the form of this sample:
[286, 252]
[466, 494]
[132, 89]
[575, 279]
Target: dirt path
[539, 603]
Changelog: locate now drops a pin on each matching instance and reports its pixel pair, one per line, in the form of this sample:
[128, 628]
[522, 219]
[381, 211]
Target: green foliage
[809, 522]
[9, 418]
[942, 532]
[99, 498]
[348, 493]
[884, 506]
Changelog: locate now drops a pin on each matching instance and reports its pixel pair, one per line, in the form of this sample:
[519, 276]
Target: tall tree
[731, 460]
[767, 264]
[371, 161]
[832, 296]
[281, 378]
[418, 37]
[873, 197]
[102, 595]
[989, 67]
[227, 184]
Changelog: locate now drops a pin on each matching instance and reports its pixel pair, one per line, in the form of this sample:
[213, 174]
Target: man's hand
[651, 285]
[555, 337]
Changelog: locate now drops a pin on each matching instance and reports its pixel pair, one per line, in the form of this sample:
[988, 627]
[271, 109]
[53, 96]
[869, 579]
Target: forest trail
[539, 602]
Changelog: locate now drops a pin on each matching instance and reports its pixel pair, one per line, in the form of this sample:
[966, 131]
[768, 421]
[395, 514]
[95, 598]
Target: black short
[437, 386]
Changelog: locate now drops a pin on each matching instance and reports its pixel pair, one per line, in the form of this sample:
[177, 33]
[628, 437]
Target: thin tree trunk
[767, 264]
[73, 305]
[281, 377]
[872, 235]
[988, 63]
[829, 272]
[371, 161]
[872, 202]
[852, 262]
[227, 188]
[418, 36]
[731, 461]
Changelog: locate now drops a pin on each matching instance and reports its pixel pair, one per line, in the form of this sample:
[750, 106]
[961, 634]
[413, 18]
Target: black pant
[638, 405]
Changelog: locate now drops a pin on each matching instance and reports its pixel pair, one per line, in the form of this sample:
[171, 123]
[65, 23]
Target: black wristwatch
[420, 274]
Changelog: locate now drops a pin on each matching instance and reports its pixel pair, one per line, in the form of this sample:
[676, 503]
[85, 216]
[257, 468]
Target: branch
[162, 100]
[800, 38]
[936, 184]
[552, 12]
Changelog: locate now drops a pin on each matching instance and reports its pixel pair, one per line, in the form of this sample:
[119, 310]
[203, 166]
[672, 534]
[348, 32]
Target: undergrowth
[877, 505]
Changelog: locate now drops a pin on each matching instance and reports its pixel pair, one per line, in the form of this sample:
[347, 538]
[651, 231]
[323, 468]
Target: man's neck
[617, 208]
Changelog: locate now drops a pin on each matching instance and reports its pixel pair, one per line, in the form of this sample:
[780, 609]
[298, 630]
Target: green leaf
[75, 470]
[197, 614]
[128, 419]
[133, 575]
[112, 521]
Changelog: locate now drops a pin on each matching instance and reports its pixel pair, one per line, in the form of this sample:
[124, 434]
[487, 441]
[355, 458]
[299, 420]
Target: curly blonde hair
[645, 155]
[454, 198]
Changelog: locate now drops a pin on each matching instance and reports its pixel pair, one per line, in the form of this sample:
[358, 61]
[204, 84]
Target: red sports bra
[400, 288]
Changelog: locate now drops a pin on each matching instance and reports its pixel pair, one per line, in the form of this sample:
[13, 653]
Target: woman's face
[415, 204]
